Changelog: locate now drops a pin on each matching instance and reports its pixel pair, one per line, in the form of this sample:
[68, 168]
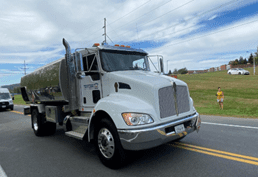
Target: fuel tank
[47, 84]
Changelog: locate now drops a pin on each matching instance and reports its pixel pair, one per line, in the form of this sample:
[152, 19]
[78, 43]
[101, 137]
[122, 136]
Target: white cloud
[213, 17]
[33, 30]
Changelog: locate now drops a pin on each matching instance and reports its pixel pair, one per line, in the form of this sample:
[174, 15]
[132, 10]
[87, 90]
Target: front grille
[4, 103]
[167, 101]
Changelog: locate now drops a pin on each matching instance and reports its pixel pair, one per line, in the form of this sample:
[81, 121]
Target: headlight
[11, 102]
[137, 119]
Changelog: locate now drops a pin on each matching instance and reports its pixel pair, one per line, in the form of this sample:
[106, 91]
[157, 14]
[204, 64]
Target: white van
[6, 101]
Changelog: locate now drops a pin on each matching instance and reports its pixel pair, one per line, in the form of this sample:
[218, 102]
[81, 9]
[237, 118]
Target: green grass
[18, 100]
[241, 93]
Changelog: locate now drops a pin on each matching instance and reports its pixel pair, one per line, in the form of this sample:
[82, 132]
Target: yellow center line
[218, 151]
[18, 112]
[215, 154]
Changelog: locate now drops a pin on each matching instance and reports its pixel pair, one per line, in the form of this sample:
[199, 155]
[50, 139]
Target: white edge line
[2, 173]
[230, 125]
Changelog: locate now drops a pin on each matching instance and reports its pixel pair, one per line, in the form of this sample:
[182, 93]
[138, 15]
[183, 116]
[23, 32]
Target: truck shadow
[163, 154]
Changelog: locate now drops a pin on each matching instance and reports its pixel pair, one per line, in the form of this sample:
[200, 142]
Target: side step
[74, 134]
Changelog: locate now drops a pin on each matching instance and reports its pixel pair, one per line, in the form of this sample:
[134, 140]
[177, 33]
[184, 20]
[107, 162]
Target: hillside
[241, 93]
[11, 87]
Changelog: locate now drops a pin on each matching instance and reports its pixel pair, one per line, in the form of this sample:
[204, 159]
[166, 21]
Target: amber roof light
[95, 45]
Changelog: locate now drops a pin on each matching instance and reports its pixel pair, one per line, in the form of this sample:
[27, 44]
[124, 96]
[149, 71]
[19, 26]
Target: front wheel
[229, 73]
[239, 73]
[108, 145]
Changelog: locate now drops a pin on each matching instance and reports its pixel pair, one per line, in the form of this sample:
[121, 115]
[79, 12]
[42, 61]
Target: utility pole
[24, 68]
[105, 32]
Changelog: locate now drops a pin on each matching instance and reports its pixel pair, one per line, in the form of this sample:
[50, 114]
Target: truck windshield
[4, 96]
[123, 60]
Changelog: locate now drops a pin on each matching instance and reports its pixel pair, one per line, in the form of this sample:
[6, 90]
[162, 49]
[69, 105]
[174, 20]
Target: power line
[162, 15]
[130, 12]
[212, 33]
[142, 15]
[119, 19]
[110, 39]
[216, 8]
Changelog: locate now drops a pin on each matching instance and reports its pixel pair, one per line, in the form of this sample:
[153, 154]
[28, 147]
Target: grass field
[18, 100]
[241, 93]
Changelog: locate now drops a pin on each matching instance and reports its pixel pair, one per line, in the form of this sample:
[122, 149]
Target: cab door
[90, 84]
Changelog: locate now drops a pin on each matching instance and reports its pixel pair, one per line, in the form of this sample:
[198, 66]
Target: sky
[195, 34]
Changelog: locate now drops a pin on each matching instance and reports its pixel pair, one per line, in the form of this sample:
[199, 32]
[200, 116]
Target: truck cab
[108, 95]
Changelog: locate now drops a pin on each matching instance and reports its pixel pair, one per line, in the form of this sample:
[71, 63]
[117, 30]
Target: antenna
[105, 32]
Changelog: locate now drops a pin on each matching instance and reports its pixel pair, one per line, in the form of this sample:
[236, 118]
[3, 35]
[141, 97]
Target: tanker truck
[108, 95]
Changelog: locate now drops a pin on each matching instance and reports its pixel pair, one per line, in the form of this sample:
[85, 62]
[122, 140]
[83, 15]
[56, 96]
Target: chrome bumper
[151, 137]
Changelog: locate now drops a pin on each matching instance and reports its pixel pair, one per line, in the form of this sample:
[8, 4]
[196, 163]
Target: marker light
[122, 45]
[127, 46]
[117, 45]
[95, 44]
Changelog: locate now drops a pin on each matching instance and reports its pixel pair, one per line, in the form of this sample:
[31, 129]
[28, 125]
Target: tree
[169, 72]
[231, 62]
[251, 59]
[241, 60]
[245, 61]
[235, 62]
[183, 71]
[175, 71]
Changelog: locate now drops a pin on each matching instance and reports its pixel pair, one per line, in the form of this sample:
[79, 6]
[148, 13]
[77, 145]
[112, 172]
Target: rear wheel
[229, 73]
[39, 127]
[108, 145]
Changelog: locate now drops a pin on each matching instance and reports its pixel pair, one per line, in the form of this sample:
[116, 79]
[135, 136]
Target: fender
[41, 107]
[114, 105]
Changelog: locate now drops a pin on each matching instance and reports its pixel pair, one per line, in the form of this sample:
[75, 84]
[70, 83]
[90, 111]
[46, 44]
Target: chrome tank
[48, 83]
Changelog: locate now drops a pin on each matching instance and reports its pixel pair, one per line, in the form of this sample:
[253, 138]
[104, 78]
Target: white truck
[6, 101]
[108, 95]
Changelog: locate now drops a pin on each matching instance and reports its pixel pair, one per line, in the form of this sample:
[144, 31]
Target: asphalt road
[223, 147]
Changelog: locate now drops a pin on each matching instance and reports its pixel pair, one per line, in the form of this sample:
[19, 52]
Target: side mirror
[161, 65]
[13, 98]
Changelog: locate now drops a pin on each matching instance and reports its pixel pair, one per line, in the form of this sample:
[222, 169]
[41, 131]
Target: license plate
[3, 106]
[179, 128]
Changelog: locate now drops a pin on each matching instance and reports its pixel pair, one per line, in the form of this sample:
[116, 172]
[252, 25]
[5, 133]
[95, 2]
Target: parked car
[6, 101]
[238, 71]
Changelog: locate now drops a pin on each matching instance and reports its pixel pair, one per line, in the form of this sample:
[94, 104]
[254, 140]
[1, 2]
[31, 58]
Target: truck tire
[37, 123]
[39, 127]
[108, 145]
[239, 73]
[12, 107]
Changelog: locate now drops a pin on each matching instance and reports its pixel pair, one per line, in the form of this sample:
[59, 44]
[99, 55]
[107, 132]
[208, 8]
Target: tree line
[180, 71]
[250, 59]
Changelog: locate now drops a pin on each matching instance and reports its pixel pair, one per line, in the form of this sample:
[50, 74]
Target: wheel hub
[106, 143]
[35, 122]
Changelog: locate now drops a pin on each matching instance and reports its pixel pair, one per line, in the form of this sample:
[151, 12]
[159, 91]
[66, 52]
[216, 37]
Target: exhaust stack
[70, 65]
